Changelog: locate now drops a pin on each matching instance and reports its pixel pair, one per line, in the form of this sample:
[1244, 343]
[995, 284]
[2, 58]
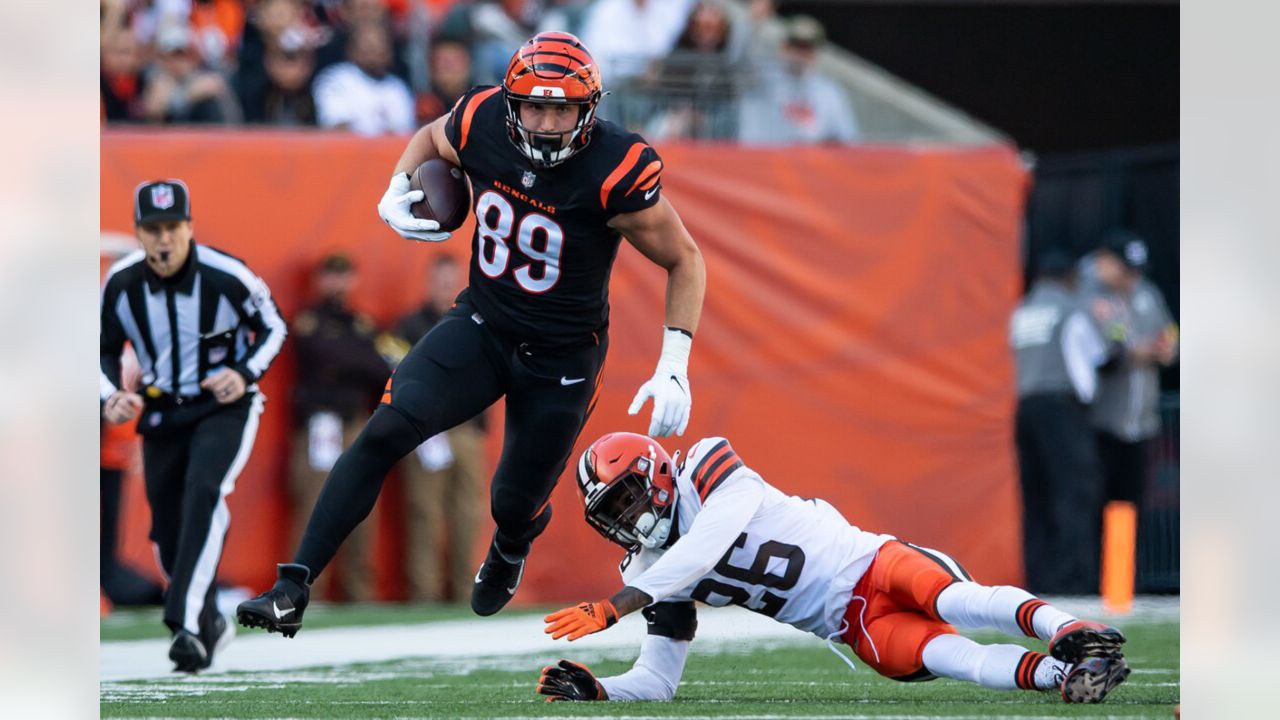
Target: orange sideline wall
[852, 345]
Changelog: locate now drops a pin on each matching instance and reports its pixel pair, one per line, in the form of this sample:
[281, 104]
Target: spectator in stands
[282, 95]
[493, 29]
[761, 41]
[274, 25]
[564, 16]
[445, 478]
[361, 94]
[1133, 312]
[340, 377]
[794, 102]
[697, 80]
[179, 90]
[122, 82]
[217, 25]
[450, 73]
[339, 24]
[269, 20]
[626, 36]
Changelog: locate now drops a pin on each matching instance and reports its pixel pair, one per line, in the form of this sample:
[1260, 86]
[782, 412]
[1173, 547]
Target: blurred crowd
[704, 69]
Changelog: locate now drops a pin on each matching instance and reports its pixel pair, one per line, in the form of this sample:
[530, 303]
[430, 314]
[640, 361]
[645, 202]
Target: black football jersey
[542, 250]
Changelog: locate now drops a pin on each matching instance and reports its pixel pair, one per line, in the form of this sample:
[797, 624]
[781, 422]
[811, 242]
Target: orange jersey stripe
[712, 469]
[476, 101]
[652, 182]
[628, 162]
[649, 173]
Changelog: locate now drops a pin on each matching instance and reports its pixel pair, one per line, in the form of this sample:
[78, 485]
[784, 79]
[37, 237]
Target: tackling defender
[710, 529]
[555, 191]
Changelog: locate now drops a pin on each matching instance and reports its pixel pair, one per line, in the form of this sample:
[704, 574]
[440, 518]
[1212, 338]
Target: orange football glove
[581, 620]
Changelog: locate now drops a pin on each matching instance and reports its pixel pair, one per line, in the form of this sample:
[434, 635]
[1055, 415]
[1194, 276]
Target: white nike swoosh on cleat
[512, 590]
[276, 609]
[567, 381]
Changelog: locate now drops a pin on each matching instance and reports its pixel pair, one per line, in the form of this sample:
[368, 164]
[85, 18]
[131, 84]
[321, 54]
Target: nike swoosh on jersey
[650, 193]
[567, 381]
[276, 609]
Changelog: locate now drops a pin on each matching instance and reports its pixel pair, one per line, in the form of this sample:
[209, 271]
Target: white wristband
[675, 352]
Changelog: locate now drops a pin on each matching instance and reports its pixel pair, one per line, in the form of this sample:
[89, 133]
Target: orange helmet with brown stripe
[554, 68]
[628, 487]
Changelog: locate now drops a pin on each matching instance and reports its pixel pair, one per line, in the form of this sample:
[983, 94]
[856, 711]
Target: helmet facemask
[632, 510]
[546, 150]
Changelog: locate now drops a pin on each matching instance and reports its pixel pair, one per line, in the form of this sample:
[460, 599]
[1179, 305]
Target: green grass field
[765, 680]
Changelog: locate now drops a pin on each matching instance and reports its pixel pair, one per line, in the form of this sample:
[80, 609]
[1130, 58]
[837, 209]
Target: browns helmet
[628, 487]
[556, 68]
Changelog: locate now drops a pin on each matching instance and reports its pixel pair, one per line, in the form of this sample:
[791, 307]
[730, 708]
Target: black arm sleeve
[675, 620]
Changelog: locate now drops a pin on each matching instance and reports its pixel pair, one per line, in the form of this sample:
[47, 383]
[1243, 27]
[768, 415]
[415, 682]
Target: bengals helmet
[628, 487]
[552, 67]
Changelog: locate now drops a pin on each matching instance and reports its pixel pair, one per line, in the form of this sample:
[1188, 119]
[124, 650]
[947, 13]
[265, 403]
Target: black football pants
[189, 474]
[1125, 466]
[452, 374]
[1062, 490]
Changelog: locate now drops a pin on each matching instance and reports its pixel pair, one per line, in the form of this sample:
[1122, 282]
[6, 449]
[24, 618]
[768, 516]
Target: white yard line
[256, 651]
[624, 715]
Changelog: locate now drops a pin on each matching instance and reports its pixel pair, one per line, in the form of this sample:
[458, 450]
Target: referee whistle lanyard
[844, 626]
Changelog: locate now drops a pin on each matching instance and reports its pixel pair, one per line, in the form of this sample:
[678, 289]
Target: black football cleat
[216, 637]
[1076, 641]
[187, 653]
[280, 608]
[496, 582]
[1091, 681]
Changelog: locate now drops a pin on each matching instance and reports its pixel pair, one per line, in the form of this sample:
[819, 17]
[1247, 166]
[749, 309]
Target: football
[447, 190]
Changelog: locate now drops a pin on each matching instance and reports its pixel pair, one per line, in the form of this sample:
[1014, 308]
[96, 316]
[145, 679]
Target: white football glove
[393, 208]
[669, 387]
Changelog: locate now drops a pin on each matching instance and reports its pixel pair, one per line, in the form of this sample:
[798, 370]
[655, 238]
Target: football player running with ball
[711, 530]
[555, 190]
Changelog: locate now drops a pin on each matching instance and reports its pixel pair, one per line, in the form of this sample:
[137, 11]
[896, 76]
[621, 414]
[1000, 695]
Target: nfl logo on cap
[162, 196]
[162, 200]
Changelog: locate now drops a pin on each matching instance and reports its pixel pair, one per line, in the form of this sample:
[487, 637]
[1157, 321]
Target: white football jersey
[796, 560]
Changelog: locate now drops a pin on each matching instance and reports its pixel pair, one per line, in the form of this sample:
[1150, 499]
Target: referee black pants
[1062, 491]
[189, 473]
[452, 374]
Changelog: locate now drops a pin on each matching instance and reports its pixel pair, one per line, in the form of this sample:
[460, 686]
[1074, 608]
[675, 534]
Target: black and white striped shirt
[223, 313]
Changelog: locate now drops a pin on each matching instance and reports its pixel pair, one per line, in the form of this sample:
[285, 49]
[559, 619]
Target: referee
[1058, 351]
[204, 328]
